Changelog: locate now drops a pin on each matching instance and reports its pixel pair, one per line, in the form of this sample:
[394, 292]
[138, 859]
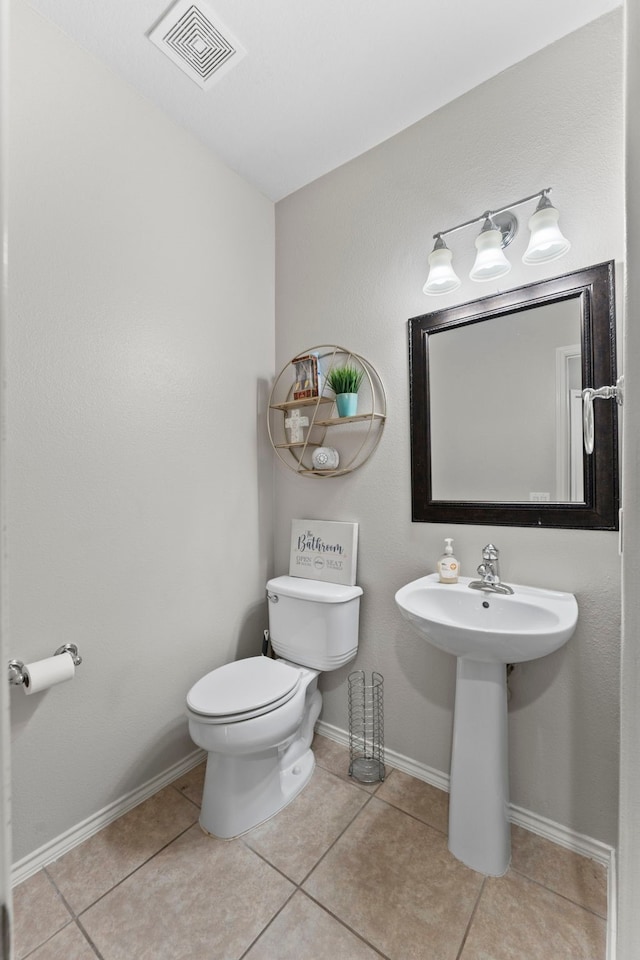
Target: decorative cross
[295, 423]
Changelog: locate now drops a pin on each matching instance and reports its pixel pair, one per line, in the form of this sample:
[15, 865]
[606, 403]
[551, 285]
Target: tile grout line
[273, 918]
[183, 795]
[364, 806]
[119, 882]
[339, 837]
[76, 917]
[60, 895]
[46, 940]
[298, 886]
[89, 940]
[413, 816]
[556, 893]
[346, 925]
[418, 819]
[331, 845]
[59, 892]
[511, 868]
[581, 856]
[465, 935]
[73, 921]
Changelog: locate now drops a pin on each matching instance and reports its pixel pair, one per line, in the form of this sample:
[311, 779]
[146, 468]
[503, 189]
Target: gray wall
[139, 510]
[350, 266]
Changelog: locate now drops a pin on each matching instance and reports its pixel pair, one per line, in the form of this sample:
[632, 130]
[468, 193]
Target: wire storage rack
[366, 727]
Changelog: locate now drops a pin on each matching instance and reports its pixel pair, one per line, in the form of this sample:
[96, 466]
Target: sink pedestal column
[479, 832]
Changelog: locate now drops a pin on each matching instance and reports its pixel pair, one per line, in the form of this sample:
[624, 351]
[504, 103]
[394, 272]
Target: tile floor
[345, 872]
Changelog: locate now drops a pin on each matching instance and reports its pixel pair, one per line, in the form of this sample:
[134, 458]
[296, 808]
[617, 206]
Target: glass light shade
[442, 277]
[547, 242]
[490, 260]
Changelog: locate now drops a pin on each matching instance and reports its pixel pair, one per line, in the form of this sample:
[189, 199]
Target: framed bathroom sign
[324, 550]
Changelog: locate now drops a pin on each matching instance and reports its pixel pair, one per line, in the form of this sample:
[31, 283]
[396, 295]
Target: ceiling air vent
[203, 48]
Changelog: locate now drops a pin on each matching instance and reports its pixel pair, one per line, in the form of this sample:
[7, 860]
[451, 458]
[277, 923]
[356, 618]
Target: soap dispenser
[448, 566]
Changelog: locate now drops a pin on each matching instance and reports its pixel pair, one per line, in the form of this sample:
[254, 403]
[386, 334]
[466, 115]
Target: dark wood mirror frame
[594, 287]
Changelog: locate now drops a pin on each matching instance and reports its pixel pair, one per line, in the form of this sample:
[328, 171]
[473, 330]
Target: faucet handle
[490, 552]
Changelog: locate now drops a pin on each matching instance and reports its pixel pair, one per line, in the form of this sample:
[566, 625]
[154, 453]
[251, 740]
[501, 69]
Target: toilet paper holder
[16, 667]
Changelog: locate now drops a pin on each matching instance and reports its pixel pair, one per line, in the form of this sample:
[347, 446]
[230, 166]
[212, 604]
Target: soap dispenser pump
[448, 566]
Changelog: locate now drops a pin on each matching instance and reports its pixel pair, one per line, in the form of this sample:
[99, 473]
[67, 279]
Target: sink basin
[484, 630]
[485, 626]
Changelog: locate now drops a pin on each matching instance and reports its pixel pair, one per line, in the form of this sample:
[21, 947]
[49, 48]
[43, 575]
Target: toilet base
[255, 767]
[271, 789]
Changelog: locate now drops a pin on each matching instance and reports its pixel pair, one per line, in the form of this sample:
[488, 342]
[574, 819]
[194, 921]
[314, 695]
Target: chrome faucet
[489, 571]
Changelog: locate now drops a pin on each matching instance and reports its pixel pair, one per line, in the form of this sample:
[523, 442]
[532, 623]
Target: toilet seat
[243, 689]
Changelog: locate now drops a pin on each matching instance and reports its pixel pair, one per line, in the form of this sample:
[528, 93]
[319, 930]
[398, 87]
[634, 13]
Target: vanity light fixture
[442, 276]
[498, 230]
[490, 261]
[546, 243]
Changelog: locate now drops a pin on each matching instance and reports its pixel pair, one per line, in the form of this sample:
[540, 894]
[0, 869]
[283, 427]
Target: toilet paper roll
[42, 674]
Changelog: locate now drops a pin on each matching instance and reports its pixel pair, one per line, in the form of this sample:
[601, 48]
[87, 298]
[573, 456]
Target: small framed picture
[306, 377]
[324, 550]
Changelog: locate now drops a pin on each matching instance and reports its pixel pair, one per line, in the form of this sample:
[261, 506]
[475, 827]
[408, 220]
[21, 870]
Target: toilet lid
[248, 687]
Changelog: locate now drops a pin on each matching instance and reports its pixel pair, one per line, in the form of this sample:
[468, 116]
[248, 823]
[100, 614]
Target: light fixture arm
[488, 214]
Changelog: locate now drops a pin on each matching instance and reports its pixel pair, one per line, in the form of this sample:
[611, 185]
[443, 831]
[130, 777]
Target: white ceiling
[322, 80]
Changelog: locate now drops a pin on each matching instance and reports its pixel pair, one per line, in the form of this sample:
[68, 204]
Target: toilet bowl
[259, 756]
[256, 717]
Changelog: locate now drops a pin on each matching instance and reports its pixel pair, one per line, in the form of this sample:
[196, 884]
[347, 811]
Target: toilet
[256, 717]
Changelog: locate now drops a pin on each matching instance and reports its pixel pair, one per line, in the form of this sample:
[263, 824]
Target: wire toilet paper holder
[366, 727]
[16, 667]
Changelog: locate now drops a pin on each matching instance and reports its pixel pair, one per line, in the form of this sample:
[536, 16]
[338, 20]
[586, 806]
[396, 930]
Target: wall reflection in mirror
[496, 407]
[500, 408]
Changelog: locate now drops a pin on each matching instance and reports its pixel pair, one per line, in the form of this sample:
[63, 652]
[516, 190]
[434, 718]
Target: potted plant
[345, 382]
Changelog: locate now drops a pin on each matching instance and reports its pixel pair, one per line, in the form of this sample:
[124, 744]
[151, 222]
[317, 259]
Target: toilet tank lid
[316, 590]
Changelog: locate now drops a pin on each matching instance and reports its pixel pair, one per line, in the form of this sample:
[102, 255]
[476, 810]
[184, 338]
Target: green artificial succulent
[346, 379]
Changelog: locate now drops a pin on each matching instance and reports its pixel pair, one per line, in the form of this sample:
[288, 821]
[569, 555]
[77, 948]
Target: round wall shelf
[303, 419]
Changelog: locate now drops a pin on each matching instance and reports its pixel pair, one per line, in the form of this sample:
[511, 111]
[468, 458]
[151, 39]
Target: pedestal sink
[485, 631]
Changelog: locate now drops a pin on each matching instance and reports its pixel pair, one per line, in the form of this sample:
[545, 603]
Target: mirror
[496, 408]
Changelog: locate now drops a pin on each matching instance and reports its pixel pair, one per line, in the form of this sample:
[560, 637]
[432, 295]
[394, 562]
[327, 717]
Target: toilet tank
[313, 623]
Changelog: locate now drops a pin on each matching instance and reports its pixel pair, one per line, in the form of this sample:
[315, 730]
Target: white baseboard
[392, 759]
[548, 829]
[55, 848]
